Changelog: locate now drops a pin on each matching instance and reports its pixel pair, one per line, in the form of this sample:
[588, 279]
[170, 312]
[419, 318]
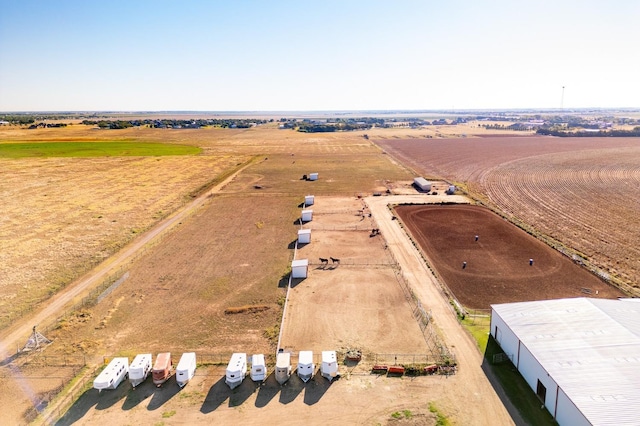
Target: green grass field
[93, 149]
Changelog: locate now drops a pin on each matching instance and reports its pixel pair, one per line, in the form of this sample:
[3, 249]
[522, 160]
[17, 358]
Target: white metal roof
[590, 347]
[299, 262]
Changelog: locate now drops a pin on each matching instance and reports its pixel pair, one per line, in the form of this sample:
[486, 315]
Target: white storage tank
[304, 236]
[236, 370]
[313, 176]
[113, 374]
[309, 200]
[299, 268]
[306, 367]
[140, 368]
[329, 367]
[283, 367]
[307, 215]
[258, 368]
[186, 368]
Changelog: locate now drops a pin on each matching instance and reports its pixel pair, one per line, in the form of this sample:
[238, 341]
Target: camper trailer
[236, 370]
[306, 367]
[162, 369]
[186, 368]
[113, 374]
[329, 367]
[258, 368]
[283, 367]
[139, 369]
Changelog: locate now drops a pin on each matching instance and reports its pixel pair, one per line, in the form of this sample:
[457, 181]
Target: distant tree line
[601, 133]
[174, 124]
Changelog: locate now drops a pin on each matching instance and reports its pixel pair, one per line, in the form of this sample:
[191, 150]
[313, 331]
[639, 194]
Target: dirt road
[17, 333]
[482, 404]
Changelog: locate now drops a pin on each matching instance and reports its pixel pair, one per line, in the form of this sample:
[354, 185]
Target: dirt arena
[497, 266]
[580, 191]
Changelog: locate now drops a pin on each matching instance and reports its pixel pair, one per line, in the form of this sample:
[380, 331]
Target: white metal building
[422, 184]
[581, 356]
[306, 215]
[304, 236]
[309, 200]
[299, 268]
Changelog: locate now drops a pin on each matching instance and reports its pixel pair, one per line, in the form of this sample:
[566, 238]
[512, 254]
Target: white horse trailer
[283, 367]
[309, 200]
[306, 367]
[313, 176]
[186, 368]
[113, 374]
[258, 368]
[329, 367]
[139, 369]
[299, 268]
[236, 370]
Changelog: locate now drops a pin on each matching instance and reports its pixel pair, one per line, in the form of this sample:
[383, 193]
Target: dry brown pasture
[232, 252]
[579, 191]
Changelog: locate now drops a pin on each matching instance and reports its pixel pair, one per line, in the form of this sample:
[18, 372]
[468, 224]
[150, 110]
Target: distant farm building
[581, 356]
[422, 184]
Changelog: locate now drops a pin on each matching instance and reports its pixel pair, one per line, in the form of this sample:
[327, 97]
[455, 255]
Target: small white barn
[236, 370]
[422, 184]
[306, 367]
[307, 215]
[309, 200]
[299, 268]
[313, 176]
[140, 368]
[581, 356]
[113, 374]
[258, 368]
[283, 367]
[186, 368]
[304, 236]
[329, 367]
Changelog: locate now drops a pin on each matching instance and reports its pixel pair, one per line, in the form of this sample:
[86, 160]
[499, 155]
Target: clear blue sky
[239, 55]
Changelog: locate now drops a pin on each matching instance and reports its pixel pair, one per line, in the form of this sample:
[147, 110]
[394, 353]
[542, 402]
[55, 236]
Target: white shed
[283, 367]
[579, 355]
[299, 268]
[139, 369]
[186, 368]
[258, 368]
[422, 184]
[313, 176]
[309, 200]
[236, 370]
[306, 367]
[304, 236]
[329, 367]
[113, 374]
[307, 215]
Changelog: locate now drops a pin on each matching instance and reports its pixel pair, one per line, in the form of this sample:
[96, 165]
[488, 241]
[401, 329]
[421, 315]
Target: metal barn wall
[568, 414]
[506, 338]
[532, 371]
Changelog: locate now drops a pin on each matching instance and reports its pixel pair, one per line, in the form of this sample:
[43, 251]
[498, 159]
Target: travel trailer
[258, 368]
[283, 367]
[329, 367]
[306, 367]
